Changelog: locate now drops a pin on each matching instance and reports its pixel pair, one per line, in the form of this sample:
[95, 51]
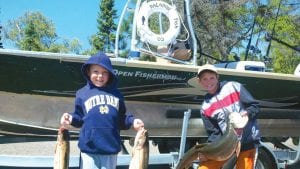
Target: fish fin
[231, 162]
[55, 149]
[238, 149]
[198, 146]
[131, 141]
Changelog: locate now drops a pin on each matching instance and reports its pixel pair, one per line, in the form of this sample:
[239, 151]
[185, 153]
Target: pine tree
[105, 37]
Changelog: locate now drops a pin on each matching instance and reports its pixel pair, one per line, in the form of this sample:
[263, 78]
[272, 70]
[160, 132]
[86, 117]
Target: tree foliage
[222, 25]
[34, 32]
[224, 29]
[285, 30]
[240, 26]
[104, 39]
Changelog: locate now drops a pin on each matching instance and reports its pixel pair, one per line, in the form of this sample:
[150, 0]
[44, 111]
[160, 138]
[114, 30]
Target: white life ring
[145, 33]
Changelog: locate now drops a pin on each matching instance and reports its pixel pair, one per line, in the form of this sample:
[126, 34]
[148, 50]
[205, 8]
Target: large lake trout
[62, 149]
[223, 149]
[140, 152]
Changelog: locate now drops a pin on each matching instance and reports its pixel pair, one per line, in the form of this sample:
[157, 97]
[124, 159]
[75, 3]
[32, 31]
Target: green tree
[34, 32]
[224, 27]
[221, 26]
[284, 29]
[104, 39]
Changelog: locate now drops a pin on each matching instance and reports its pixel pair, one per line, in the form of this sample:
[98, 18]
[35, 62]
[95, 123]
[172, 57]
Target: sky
[72, 18]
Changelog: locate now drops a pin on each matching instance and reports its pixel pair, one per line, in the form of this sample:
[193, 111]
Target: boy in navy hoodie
[101, 113]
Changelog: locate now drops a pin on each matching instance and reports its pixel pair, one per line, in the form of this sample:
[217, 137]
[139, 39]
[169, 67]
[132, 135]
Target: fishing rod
[269, 37]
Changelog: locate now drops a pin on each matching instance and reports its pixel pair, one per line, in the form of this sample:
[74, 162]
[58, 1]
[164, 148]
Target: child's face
[98, 75]
[209, 82]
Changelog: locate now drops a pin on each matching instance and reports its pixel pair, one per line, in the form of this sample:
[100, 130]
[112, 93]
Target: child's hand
[66, 120]
[138, 124]
[245, 113]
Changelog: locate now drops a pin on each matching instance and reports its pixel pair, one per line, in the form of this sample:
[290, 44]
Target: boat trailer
[283, 157]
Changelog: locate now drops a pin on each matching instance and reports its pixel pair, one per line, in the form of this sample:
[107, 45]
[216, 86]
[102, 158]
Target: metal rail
[47, 161]
[123, 159]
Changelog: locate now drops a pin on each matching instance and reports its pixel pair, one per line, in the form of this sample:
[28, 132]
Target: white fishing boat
[38, 87]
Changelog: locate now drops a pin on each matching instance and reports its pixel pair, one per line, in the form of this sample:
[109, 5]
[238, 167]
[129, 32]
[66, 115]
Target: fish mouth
[140, 154]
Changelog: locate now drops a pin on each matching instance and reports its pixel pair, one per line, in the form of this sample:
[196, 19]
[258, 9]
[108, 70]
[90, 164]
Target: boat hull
[36, 88]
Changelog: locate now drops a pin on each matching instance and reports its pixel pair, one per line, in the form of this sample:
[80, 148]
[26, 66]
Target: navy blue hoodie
[100, 112]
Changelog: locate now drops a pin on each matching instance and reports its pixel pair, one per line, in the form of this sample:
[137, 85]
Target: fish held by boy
[223, 149]
[140, 152]
[62, 149]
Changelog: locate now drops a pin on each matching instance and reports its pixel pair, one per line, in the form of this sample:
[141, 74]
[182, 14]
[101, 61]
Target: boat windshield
[255, 68]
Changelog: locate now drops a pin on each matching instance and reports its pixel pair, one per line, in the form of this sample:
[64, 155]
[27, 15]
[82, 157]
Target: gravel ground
[43, 147]
[33, 146]
[46, 147]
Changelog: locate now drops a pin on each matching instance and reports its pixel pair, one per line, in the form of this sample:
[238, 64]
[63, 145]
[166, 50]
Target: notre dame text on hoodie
[100, 112]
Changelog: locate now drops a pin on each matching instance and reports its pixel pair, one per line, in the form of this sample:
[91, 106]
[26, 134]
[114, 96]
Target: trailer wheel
[265, 160]
[167, 146]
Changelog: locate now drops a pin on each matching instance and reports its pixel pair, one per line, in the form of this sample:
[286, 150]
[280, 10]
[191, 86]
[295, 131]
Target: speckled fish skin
[226, 147]
[140, 152]
[62, 149]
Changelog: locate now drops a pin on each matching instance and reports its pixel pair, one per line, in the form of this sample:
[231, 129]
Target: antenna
[1, 44]
[273, 30]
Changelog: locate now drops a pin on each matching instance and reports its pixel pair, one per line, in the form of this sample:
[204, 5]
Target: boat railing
[138, 48]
